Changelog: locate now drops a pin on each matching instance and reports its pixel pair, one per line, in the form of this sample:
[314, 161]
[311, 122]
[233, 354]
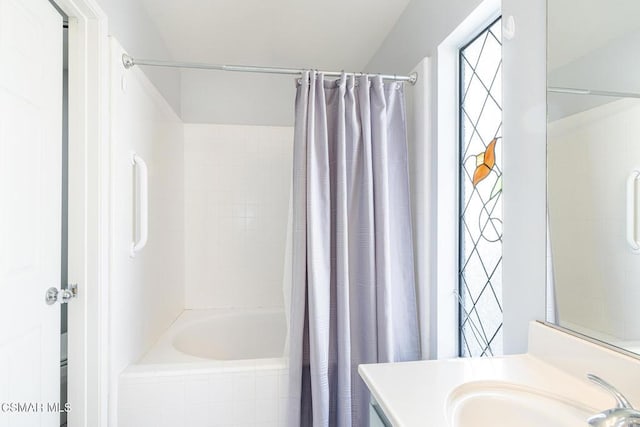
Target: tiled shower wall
[146, 293]
[237, 189]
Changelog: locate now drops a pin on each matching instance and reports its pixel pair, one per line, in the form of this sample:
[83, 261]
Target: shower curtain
[353, 295]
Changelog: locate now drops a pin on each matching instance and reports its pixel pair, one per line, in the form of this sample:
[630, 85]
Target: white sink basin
[501, 404]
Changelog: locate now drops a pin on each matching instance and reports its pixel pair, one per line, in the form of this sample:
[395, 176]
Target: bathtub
[210, 368]
[209, 336]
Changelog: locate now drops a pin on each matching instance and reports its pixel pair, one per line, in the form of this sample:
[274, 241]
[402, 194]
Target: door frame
[88, 245]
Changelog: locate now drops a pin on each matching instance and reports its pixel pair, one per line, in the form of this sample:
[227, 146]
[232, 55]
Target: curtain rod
[576, 91]
[129, 62]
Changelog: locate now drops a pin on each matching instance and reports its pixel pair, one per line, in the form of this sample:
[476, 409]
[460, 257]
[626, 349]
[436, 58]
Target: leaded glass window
[480, 222]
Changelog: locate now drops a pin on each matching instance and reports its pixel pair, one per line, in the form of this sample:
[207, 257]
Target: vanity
[547, 386]
[582, 366]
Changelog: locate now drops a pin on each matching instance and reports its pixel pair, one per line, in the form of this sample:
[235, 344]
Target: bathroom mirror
[593, 168]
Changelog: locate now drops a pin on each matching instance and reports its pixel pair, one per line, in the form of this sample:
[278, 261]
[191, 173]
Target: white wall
[421, 181]
[130, 23]
[590, 157]
[237, 188]
[524, 91]
[146, 292]
[417, 34]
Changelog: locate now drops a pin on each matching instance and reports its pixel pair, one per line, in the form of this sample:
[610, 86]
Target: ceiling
[332, 34]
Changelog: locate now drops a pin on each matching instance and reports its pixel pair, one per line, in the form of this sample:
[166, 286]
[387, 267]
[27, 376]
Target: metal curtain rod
[575, 91]
[129, 62]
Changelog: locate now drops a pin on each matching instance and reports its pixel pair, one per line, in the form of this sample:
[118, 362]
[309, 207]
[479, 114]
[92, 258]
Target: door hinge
[63, 296]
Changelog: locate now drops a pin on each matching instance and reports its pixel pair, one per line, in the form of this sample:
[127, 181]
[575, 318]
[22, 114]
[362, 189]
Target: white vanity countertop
[416, 393]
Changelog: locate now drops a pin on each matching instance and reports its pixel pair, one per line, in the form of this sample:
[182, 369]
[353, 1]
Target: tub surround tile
[128, 395]
[160, 393]
[283, 407]
[283, 384]
[267, 410]
[197, 389]
[140, 416]
[220, 414]
[267, 385]
[244, 386]
[169, 393]
[220, 399]
[173, 416]
[244, 411]
[197, 415]
[220, 387]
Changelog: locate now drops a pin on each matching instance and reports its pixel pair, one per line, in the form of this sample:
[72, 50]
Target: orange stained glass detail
[489, 160]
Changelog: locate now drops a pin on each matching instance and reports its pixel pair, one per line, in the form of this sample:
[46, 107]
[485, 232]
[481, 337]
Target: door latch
[63, 296]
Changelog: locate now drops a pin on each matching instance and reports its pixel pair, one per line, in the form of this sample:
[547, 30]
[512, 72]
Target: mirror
[593, 167]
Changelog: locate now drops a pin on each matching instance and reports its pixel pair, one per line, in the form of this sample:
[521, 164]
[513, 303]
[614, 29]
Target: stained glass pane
[480, 269]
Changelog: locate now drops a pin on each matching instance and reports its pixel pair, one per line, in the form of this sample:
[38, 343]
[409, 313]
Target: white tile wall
[252, 397]
[143, 122]
[237, 188]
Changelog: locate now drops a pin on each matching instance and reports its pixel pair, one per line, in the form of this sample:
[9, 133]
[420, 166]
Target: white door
[30, 203]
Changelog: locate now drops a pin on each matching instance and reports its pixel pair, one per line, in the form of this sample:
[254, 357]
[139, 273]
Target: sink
[503, 404]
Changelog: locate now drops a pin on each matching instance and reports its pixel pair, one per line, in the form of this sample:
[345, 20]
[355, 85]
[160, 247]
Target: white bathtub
[211, 367]
[201, 336]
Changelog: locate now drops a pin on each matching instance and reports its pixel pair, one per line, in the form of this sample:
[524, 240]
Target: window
[480, 192]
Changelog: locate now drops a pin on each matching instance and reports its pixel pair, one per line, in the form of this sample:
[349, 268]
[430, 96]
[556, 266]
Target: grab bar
[142, 203]
[632, 214]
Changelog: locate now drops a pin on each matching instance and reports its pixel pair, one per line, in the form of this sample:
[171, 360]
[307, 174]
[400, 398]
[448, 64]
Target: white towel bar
[632, 211]
[142, 203]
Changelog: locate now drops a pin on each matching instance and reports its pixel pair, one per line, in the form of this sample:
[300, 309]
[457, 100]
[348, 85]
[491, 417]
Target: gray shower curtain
[352, 296]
